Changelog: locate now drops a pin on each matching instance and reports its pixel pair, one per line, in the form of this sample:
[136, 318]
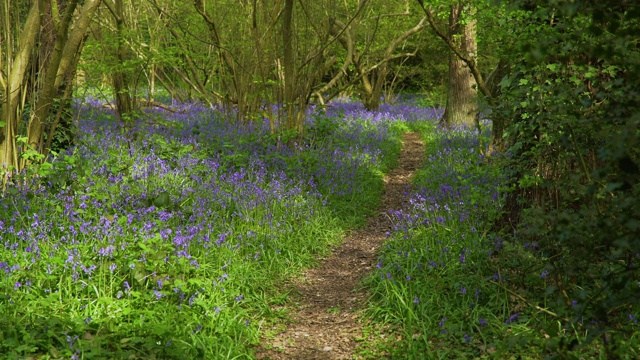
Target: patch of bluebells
[187, 194]
[445, 206]
[436, 242]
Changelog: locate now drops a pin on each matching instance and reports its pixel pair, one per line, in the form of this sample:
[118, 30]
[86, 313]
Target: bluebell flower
[512, 318]
[442, 321]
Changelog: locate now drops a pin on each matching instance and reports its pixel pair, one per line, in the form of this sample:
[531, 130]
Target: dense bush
[573, 163]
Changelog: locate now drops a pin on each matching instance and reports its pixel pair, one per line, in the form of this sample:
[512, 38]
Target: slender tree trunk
[371, 77]
[289, 66]
[462, 96]
[52, 78]
[500, 124]
[47, 93]
[16, 68]
[62, 62]
[123, 97]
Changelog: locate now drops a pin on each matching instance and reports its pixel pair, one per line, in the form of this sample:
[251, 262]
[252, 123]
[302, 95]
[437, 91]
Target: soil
[326, 323]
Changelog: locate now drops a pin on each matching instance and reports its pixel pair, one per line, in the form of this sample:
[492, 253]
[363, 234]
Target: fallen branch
[150, 103]
[529, 302]
[146, 103]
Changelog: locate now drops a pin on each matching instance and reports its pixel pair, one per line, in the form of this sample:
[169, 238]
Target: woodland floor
[326, 323]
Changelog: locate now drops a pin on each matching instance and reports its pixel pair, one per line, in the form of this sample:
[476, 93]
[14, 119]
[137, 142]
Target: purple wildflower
[441, 323]
[462, 255]
[512, 318]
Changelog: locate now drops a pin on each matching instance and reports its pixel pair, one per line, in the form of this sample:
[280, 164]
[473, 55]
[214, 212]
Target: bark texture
[462, 96]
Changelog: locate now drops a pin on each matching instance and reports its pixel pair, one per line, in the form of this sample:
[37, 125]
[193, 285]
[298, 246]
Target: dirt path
[326, 324]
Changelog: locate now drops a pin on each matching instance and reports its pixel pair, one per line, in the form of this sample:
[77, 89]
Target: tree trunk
[48, 91]
[373, 88]
[58, 73]
[462, 96]
[16, 69]
[371, 77]
[53, 71]
[500, 124]
[289, 68]
[123, 97]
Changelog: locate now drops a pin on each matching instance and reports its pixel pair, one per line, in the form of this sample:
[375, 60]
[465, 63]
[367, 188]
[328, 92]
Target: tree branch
[469, 61]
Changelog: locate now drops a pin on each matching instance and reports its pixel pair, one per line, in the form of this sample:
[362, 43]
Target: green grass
[447, 288]
[174, 246]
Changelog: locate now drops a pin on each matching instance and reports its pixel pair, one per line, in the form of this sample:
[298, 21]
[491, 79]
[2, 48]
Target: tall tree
[371, 41]
[124, 96]
[488, 89]
[462, 96]
[15, 67]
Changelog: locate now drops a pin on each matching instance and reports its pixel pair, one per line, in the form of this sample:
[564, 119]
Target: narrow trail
[326, 323]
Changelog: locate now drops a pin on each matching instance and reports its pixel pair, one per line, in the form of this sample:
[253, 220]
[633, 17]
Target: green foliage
[178, 243]
[573, 165]
[433, 284]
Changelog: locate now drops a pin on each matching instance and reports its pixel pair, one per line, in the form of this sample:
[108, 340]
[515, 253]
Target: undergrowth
[174, 239]
[449, 288]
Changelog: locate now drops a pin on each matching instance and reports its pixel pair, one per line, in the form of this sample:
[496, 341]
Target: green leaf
[162, 200]
[140, 275]
[505, 82]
